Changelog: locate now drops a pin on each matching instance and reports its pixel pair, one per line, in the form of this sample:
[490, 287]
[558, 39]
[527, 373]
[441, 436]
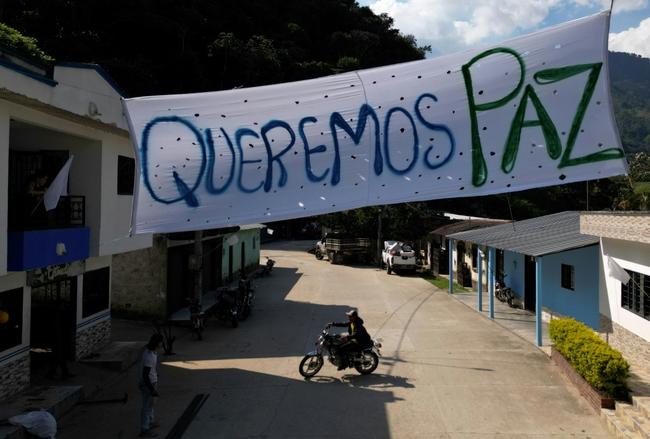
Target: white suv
[398, 256]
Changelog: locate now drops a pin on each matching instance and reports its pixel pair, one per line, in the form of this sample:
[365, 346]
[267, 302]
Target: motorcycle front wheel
[310, 365]
[368, 364]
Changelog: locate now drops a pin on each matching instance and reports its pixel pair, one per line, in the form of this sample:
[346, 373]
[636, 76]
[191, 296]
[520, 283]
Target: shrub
[598, 363]
[11, 38]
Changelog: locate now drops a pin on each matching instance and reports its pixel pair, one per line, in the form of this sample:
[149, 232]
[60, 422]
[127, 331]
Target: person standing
[149, 384]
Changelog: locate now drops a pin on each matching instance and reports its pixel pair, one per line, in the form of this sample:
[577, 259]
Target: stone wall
[139, 281]
[92, 338]
[14, 376]
[634, 348]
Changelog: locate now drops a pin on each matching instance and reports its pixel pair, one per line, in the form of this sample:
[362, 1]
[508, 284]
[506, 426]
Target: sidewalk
[522, 323]
[518, 321]
[89, 382]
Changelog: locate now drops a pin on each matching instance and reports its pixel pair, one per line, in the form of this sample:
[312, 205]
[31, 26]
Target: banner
[532, 112]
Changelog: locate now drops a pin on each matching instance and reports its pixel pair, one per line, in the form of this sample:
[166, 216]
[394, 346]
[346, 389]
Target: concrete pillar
[491, 278]
[450, 250]
[479, 296]
[538, 300]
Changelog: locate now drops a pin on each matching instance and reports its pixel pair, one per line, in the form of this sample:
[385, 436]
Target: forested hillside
[630, 81]
[169, 46]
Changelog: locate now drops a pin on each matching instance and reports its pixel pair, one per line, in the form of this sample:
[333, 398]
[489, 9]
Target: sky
[453, 25]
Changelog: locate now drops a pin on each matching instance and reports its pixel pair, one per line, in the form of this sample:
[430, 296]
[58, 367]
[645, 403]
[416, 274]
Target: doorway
[499, 266]
[53, 321]
[530, 283]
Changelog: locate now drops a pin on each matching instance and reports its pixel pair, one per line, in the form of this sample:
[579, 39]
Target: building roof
[465, 225]
[535, 237]
[627, 226]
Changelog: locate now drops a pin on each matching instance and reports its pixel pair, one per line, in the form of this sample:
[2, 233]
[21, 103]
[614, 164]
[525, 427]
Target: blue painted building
[547, 262]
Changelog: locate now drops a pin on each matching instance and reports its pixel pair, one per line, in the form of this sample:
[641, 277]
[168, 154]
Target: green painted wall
[251, 241]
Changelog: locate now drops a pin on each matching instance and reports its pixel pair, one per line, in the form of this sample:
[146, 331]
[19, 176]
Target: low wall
[14, 376]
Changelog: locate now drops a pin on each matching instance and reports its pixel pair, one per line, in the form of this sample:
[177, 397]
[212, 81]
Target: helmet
[352, 313]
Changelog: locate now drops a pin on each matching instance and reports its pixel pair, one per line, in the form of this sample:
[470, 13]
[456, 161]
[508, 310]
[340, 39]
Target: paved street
[445, 372]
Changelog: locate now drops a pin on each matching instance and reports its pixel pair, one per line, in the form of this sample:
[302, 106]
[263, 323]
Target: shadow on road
[244, 403]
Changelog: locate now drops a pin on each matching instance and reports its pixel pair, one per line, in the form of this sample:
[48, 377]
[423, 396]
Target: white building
[55, 267]
[624, 308]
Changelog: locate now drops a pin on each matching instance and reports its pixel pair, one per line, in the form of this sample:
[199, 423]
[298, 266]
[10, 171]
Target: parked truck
[338, 247]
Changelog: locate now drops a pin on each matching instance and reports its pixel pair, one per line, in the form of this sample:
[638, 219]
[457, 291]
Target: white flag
[616, 271]
[58, 187]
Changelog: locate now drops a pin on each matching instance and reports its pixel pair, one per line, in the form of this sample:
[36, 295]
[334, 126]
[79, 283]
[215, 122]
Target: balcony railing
[70, 212]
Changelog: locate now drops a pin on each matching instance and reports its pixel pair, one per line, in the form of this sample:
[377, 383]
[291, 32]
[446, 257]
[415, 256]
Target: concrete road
[446, 372]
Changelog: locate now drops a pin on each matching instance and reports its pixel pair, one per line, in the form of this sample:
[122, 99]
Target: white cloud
[634, 40]
[452, 25]
[619, 5]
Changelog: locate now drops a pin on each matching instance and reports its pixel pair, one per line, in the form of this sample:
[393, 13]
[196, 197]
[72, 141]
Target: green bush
[11, 38]
[593, 359]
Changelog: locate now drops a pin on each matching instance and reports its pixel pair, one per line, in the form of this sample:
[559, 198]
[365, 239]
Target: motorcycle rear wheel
[368, 364]
[310, 365]
[319, 255]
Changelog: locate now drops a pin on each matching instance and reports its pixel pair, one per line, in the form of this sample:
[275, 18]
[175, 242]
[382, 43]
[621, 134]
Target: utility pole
[198, 264]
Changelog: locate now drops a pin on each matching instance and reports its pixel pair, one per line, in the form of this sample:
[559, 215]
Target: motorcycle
[197, 317]
[365, 361]
[268, 267]
[504, 293]
[227, 307]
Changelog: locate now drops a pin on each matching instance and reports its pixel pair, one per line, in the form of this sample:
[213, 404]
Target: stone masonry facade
[92, 338]
[139, 281]
[633, 347]
[14, 376]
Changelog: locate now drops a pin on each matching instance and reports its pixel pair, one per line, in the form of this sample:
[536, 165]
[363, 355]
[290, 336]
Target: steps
[629, 421]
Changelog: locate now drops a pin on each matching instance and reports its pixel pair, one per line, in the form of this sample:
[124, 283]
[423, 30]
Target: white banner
[534, 111]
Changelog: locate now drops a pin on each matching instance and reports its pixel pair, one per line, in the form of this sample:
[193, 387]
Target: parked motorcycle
[227, 306]
[365, 361]
[197, 318]
[268, 267]
[504, 293]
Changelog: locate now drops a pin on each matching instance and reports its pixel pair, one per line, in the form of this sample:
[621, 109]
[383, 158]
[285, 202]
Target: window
[125, 175]
[95, 291]
[635, 294]
[568, 277]
[11, 332]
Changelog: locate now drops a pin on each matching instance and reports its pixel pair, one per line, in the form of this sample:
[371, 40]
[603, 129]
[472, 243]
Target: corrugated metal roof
[535, 236]
[462, 226]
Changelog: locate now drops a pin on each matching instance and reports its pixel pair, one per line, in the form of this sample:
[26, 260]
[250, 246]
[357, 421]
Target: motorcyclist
[356, 339]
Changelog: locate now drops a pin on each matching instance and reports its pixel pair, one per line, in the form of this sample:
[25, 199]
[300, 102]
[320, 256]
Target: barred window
[635, 295]
[568, 277]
